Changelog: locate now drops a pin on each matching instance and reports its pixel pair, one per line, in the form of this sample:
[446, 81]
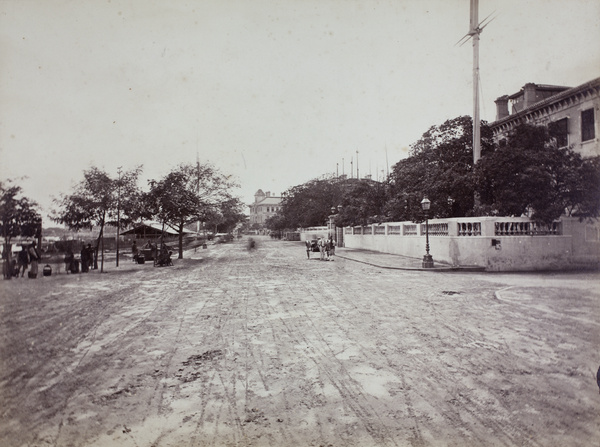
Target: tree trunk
[97, 249]
[101, 244]
[180, 241]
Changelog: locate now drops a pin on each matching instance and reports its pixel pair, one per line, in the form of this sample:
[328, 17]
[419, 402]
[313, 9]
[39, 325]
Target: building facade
[265, 205]
[571, 114]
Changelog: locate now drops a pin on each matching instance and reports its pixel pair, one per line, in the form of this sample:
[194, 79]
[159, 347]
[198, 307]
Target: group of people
[325, 247]
[87, 259]
[28, 257]
[161, 256]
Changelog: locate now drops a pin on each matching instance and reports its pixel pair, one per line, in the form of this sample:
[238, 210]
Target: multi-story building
[265, 205]
[571, 114]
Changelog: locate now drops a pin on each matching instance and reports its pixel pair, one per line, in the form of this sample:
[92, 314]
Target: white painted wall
[577, 247]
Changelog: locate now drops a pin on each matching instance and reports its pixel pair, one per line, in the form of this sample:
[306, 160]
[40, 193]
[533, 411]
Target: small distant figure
[23, 259]
[153, 251]
[322, 248]
[328, 248]
[69, 258]
[164, 258]
[308, 248]
[90, 252]
[332, 247]
[34, 258]
[135, 252]
[251, 244]
[85, 260]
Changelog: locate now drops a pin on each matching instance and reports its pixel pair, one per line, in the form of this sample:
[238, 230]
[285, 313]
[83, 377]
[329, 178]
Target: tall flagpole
[474, 32]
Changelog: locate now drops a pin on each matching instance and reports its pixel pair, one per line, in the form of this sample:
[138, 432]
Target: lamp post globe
[427, 258]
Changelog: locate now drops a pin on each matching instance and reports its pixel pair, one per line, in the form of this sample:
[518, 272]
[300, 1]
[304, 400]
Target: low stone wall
[496, 243]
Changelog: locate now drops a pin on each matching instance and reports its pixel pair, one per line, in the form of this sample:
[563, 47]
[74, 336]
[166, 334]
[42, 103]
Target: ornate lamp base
[427, 262]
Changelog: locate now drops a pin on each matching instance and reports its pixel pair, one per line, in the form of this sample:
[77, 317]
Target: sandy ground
[266, 348]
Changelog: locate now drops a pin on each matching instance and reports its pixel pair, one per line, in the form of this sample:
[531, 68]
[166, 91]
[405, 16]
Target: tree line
[188, 193]
[527, 174]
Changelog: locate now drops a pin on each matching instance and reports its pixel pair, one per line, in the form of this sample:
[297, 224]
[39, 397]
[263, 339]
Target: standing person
[135, 252]
[23, 260]
[153, 251]
[332, 247]
[308, 248]
[85, 259]
[69, 258]
[34, 258]
[91, 257]
[321, 244]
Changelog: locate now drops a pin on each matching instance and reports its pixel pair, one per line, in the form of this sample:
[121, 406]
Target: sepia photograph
[294, 223]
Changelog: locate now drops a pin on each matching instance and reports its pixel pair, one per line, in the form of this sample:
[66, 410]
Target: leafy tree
[100, 200]
[530, 175]
[310, 204]
[230, 213]
[584, 197]
[276, 222]
[363, 203]
[186, 194]
[18, 217]
[440, 165]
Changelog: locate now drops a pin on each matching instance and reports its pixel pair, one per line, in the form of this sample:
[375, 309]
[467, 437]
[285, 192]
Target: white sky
[272, 92]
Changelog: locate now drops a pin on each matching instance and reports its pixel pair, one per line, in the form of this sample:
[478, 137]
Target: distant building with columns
[571, 114]
[265, 205]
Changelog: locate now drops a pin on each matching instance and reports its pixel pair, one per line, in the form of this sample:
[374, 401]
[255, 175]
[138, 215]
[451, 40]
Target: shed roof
[154, 229]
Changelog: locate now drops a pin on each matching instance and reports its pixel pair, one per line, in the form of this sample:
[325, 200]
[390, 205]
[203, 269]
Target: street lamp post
[332, 225]
[427, 259]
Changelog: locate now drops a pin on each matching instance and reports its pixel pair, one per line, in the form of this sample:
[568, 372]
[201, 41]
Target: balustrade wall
[496, 243]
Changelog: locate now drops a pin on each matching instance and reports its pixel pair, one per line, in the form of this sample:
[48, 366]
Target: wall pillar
[488, 228]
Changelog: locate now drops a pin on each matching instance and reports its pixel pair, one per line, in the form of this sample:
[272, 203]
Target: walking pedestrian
[308, 248]
[23, 260]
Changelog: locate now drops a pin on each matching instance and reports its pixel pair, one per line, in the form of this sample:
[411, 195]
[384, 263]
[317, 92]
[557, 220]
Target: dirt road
[266, 348]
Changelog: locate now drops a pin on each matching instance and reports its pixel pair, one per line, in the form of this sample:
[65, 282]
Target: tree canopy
[530, 175]
[96, 201]
[440, 166]
[309, 204]
[188, 193]
[18, 215]
[363, 203]
[228, 215]
[527, 175]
